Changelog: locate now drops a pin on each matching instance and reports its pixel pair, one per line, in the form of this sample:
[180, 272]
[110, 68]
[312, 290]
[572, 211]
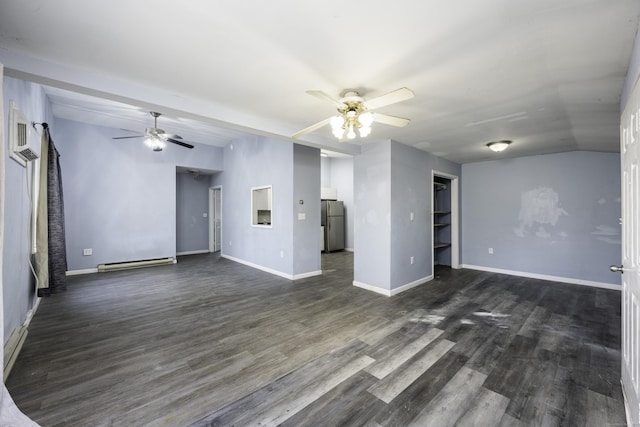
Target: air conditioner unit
[21, 148]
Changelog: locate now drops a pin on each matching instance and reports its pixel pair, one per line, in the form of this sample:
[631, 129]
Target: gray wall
[372, 194]
[325, 171]
[120, 196]
[410, 192]
[391, 181]
[306, 232]
[258, 161]
[555, 215]
[18, 283]
[192, 201]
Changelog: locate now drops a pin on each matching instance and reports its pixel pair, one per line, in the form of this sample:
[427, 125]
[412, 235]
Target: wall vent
[21, 147]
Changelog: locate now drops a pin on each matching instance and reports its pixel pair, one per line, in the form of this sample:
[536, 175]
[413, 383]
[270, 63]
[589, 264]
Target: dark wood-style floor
[211, 342]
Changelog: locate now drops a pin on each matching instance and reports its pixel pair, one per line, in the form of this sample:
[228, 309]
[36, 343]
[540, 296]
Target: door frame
[455, 223]
[213, 217]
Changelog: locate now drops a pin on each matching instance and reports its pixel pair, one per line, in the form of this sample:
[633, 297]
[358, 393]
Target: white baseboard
[348, 249]
[627, 411]
[545, 277]
[394, 291]
[385, 292]
[413, 284]
[272, 271]
[306, 275]
[85, 271]
[202, 251]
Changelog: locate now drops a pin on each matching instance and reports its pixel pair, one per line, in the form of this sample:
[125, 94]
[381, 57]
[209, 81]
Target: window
[261, 206]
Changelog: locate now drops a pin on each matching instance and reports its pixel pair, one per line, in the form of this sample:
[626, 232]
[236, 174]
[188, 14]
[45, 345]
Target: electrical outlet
[411, 260]
[411, 216]
[491, 251]
[281, 254]
[87, 252]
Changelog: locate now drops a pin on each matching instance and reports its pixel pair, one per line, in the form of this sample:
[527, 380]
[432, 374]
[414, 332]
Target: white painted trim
[627, 411]
[413, 284]
[78, 272]
[348, 249]
[385, 292]
[394, 291]
[545, 277]
[306, 275]
[202, 251]
[272, 271]
[212, 217]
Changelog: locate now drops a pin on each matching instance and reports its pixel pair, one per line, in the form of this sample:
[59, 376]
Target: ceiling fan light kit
[155, 143]
[156, 138]
[354, 113]
[498, 146]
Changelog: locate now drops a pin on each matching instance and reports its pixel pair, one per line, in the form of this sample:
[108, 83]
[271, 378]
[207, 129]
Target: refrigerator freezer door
[335, 209]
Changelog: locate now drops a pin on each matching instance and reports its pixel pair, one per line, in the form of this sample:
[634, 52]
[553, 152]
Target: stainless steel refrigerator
[332, 219]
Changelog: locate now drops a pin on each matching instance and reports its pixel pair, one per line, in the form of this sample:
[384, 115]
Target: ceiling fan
[354, 113]
[156, 138]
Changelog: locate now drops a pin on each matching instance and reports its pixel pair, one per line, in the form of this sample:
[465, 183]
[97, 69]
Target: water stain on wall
[539, 213]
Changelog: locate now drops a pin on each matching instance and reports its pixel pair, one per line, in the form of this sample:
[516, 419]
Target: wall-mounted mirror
[261, 206]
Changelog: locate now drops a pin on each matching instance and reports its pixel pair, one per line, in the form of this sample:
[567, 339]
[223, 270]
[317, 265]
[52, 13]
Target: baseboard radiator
[114, 266]
[12, 348]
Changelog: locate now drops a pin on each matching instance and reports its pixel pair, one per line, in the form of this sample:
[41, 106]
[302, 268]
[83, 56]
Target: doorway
[444, 220]
[215, 219]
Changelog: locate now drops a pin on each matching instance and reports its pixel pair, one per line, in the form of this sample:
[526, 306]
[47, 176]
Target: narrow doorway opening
[445, 220]
[215, 219]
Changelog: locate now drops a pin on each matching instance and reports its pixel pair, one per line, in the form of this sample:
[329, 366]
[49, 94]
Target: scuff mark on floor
[421, 316]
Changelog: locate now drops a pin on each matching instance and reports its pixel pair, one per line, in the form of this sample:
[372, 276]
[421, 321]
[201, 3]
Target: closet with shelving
[441, 221]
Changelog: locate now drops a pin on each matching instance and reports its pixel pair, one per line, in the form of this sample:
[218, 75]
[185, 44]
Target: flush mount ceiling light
[499, 145]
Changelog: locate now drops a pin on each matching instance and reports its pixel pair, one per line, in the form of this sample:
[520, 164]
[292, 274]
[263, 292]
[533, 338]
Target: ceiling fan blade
[168, 135]
[182, 143]
[321, 95]
[312, 128]
[397, 95]
[390, 120]
[127, 137]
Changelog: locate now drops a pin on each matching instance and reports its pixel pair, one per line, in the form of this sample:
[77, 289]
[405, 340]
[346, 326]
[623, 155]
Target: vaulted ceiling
[545, 74]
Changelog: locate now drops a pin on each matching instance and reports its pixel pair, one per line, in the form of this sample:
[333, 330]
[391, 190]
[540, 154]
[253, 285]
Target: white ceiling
[546, 74]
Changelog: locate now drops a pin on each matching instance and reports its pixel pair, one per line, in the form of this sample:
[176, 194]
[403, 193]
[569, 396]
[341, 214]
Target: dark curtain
[55, 221]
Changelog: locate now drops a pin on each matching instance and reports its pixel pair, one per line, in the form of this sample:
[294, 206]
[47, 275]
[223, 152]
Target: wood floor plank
[290, 394]
[487, 409]
[383, 367]
[347, 404]
[406, 407]
[388, 388]
[452, 401]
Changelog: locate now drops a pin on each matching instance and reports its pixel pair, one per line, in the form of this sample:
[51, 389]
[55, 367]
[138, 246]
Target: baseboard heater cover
[114, 266]
[12, 349]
